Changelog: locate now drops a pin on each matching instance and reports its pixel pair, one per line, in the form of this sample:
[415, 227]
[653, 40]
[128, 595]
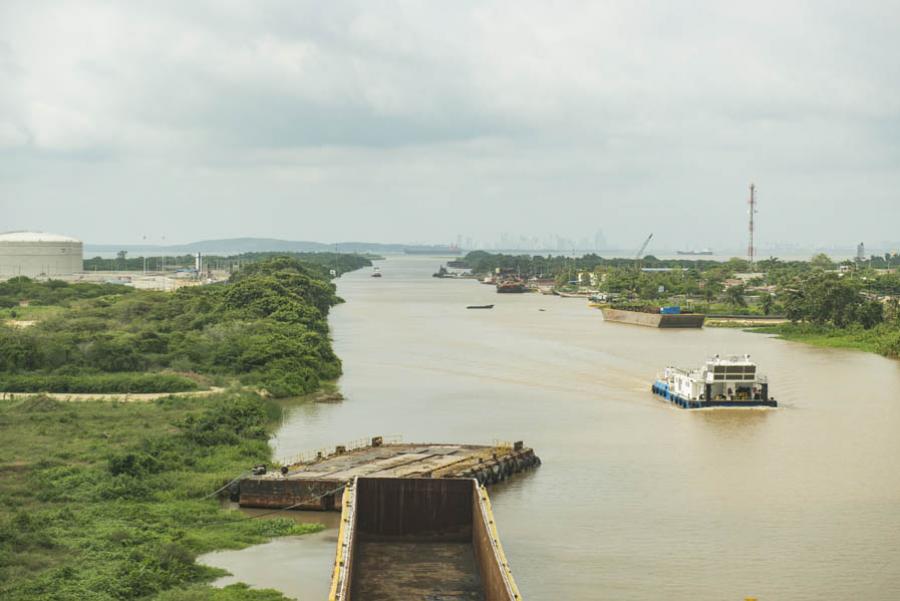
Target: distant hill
[234, 246]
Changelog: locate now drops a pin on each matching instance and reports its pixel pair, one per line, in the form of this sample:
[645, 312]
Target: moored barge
[512, 285]
[721, 382]
[424, 539]
[662, 317]
[316, 483]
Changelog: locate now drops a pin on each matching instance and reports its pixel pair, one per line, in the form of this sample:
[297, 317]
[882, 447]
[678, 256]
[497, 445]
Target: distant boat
[511, 286]
[705, 252]
[376, 273]
[433, 250]
[480, 307]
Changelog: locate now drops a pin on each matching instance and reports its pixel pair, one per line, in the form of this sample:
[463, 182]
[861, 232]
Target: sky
[416, 122]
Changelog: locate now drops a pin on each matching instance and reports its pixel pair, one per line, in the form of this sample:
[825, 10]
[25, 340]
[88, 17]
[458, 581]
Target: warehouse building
[38, 254]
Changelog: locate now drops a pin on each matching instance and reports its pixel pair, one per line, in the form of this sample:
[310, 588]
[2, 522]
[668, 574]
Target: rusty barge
[419, 539]
[653, 319]
[317, 483]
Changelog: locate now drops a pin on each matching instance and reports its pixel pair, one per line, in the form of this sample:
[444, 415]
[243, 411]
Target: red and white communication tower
[751, 249]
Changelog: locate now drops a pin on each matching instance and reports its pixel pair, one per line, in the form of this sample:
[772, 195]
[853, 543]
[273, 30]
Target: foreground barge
[429, 539]
[654, 319]
[318, 483]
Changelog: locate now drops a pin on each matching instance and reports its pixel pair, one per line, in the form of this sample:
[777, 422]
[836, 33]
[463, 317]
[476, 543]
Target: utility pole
[751, 250]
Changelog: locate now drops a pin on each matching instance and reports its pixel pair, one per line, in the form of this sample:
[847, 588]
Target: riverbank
[883, 339]
[108, 499]
[113, 500]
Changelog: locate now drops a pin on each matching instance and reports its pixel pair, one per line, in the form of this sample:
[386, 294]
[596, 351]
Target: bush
[96, 383]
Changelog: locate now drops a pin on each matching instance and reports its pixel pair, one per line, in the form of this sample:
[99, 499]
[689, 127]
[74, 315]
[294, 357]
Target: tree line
[265, 327]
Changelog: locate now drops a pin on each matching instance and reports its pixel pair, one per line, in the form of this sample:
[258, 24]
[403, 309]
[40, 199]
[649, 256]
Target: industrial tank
[35, 254]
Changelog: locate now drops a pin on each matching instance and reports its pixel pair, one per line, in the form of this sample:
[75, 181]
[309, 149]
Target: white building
[35, 254]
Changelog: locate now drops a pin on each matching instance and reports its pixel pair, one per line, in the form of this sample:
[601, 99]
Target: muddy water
[635, 499]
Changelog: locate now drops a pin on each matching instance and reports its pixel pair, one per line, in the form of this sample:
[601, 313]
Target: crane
[637, 263]
[640, 253]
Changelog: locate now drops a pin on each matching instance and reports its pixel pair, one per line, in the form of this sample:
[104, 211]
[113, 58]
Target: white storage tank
[35, 254]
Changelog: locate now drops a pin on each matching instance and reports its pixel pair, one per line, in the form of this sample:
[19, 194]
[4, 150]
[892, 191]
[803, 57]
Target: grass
[883, 339]
[30, 313]
[109, 500]
[110, 383]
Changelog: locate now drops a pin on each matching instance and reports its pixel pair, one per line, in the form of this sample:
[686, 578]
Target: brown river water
[636, 499]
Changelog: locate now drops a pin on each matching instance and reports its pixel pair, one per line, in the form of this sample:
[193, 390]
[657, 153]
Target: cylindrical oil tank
[35, 254]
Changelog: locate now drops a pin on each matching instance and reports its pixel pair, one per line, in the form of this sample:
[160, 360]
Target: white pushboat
[721, 382]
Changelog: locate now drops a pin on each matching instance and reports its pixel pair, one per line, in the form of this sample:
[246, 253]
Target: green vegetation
[96, 383]
[265, 328]
[850, 312]
[852, 304]
[883, 339]
[324, 261]
[109, 501]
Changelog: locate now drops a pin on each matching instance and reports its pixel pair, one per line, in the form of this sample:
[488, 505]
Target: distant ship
[514, 286]
[433, 250]
[705, 251]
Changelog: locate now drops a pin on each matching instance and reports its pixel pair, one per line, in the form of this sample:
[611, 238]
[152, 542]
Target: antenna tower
[751, 249]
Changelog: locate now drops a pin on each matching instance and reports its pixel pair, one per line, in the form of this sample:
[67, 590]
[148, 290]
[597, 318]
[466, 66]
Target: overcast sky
[418, 121]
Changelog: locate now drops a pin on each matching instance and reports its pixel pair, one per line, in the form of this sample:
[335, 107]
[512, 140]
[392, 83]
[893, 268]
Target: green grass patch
[108, 500]
[883, 339]
[97, 383]
[30, 313]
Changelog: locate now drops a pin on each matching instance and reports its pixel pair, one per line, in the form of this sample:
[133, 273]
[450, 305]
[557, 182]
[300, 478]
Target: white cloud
[494, 106]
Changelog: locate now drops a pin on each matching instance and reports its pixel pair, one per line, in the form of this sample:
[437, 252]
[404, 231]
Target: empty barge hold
[318, 483]
[419, 539]
[653, 319]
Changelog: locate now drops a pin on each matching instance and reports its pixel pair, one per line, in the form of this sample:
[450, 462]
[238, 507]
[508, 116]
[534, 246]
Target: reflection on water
[635, 499]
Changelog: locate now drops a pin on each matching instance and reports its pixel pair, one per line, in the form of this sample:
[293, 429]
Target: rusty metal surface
[305, 482]
[296, 494]
[434, 571]
[430, 539]
[414, 509]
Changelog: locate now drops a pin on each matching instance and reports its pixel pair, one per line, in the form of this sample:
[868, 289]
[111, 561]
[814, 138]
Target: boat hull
[654, 320]
[431, 538]
[662, 390]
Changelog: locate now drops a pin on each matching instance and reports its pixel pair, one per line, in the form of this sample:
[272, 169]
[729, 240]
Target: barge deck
[318, 483]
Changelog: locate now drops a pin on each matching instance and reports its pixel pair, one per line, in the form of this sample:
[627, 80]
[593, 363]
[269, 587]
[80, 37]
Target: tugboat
[721, 382]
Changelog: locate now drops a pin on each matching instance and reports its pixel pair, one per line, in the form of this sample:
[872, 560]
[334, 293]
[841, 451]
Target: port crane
[640, 253]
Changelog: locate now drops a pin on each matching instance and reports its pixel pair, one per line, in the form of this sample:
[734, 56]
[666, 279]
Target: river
[635, 500]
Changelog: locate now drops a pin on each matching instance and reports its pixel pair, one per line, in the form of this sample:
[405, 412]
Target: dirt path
[126, 397]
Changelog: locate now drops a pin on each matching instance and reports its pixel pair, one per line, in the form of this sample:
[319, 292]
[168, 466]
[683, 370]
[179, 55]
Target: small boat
[721, 382]
[480, 307]
[376, 273]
